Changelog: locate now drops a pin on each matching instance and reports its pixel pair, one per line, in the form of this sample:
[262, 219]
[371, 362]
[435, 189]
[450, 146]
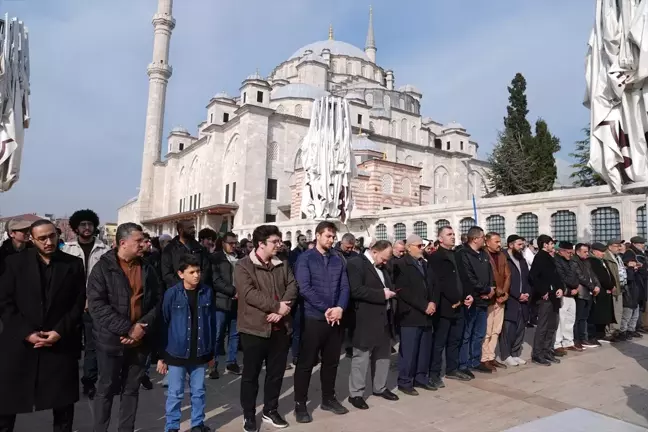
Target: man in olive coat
[42, 297]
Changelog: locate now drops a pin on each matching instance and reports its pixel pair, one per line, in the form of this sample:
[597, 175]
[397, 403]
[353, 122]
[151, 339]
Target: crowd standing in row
[175, 300]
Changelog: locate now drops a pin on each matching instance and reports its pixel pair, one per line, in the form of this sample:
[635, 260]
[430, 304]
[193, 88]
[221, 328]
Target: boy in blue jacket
[187, 350]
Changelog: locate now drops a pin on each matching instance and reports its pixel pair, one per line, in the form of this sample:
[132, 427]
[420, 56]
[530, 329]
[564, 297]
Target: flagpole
[475, 209]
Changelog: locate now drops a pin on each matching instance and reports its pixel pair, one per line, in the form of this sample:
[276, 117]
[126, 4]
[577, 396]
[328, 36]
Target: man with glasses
[223, 262]
[18, 232]
[42, 296]
[89, 248]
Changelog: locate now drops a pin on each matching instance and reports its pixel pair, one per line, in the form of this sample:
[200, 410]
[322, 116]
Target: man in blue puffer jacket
[187, 351]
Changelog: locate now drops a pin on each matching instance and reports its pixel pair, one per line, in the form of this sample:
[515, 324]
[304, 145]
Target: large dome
[336, 48]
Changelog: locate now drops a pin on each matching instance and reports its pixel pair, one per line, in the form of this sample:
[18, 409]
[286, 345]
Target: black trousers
[256, 350]
[118, 375]
[318, 339]
[583, 308]
[512, 337]
[448, 336]
[90, 369]
[63, 420]
[545, 335]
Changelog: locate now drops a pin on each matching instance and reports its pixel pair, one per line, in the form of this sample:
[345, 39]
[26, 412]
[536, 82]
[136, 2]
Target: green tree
[583, 175]
[515, 122]
[542, 161]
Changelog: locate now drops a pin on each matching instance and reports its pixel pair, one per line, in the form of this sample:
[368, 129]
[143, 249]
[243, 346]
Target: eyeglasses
[44, 239]
[420, 246]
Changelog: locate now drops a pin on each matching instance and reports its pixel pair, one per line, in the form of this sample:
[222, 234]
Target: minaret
[159, 73]
[330, 31]
[370, 45]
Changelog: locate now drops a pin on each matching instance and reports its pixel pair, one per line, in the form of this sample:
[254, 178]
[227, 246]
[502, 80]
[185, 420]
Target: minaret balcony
[163, 69]
[164, 20]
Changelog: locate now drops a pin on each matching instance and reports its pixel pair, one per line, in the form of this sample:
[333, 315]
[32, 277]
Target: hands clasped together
[284, 309]
[135, 334]
[42, 339]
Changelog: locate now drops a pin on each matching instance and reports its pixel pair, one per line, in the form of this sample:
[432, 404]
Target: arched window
[606, 224]
[309, 235]
[288, 236]
[400, 231]
[442, 223]
[386, 102]
[273, 151]
[420, 229]
[641, 221]
[394, 129]
[496, 223]
[387, 184]
[445, 181]
[563, 226]
[349, 68]
[444, 200]
[527, 226]
[372, 128]
[409, 160]
[465, 224]
[281, 109]
[298, 110]
[401, 103]
[403, 130]
[406, 185]
[413, 134]
[369, 99]
[298, 160]
[381, 232]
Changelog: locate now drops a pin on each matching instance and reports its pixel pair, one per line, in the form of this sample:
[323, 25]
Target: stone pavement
[611, 380]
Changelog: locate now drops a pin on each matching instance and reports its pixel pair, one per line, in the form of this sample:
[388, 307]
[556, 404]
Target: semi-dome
[409, 88]
[334, 46]
[298, 90]
[362, 142]
[222, 95]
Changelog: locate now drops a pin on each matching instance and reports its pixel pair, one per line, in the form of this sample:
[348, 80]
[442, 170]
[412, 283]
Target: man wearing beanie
[567, 317]
[602, 313]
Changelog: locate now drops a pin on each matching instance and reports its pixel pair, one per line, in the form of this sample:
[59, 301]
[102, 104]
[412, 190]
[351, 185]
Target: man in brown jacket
[495, 318]
[266, 290]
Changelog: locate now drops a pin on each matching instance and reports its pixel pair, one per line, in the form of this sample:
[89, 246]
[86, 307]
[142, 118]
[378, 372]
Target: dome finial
[331, 32]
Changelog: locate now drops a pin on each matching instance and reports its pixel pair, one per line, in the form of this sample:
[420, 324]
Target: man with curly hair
[89, 248]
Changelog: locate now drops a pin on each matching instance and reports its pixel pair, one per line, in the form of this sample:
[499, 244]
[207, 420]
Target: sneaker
[146, 383]
[274, 419]
[214, 374]
[233, 369]
[520, 361]
[334, 406]
[458, 375]
[510, 361]
[592, 343]
[468, 373]
[250, 424]
[200, 428]
[301, 413]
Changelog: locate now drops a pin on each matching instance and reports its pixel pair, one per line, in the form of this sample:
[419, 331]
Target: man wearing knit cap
[567, 269]
[602, 313]
[417, 302]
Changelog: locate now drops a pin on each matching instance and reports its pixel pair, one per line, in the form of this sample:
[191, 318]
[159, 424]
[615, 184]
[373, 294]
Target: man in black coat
[638, 247]
[371, 293]
[42, 297]
[124, 299]
[602, 313]
[223, 262]
[477, 279]
[184, 243]
[449, 318]
[516, 313]
[588, 288]
[417, 300]
[547, 292]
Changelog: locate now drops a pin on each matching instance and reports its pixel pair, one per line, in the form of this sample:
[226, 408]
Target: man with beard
[495, 317]
[184, 243]
[636, 252]
[449, 318]
[516, 312]
[588, 288]
[547, 292]
[616, 266]
[567, 269]
[124, 296]
[602, 313]
[89, 248]
[42, 296]
[18, 232]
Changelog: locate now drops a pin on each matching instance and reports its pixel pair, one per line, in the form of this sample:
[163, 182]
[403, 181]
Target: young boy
[187, 350]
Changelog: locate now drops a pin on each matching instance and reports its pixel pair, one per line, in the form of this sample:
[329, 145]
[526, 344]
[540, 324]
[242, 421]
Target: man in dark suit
[449, 319]
[42, 297]
[371, 293]
[417, 302]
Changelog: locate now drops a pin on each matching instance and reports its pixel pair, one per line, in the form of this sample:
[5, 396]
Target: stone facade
[245, 154]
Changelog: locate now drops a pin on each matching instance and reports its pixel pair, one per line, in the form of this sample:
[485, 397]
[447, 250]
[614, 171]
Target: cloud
[89, 83]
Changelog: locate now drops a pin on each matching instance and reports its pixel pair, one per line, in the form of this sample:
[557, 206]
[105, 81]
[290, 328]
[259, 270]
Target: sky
[90, 88]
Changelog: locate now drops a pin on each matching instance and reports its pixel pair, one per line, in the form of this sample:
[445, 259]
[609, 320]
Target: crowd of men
[174, 301]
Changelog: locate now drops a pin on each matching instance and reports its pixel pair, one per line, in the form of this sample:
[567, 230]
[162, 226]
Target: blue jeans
[473, 337]
[226, 320]
[175, 394]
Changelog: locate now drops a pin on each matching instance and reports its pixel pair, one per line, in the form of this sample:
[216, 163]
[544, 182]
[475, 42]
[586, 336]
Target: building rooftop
[334, 46]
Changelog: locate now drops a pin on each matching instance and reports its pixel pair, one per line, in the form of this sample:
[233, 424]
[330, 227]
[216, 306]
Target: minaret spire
[331, 32]
[159, 72]
[370, 45]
